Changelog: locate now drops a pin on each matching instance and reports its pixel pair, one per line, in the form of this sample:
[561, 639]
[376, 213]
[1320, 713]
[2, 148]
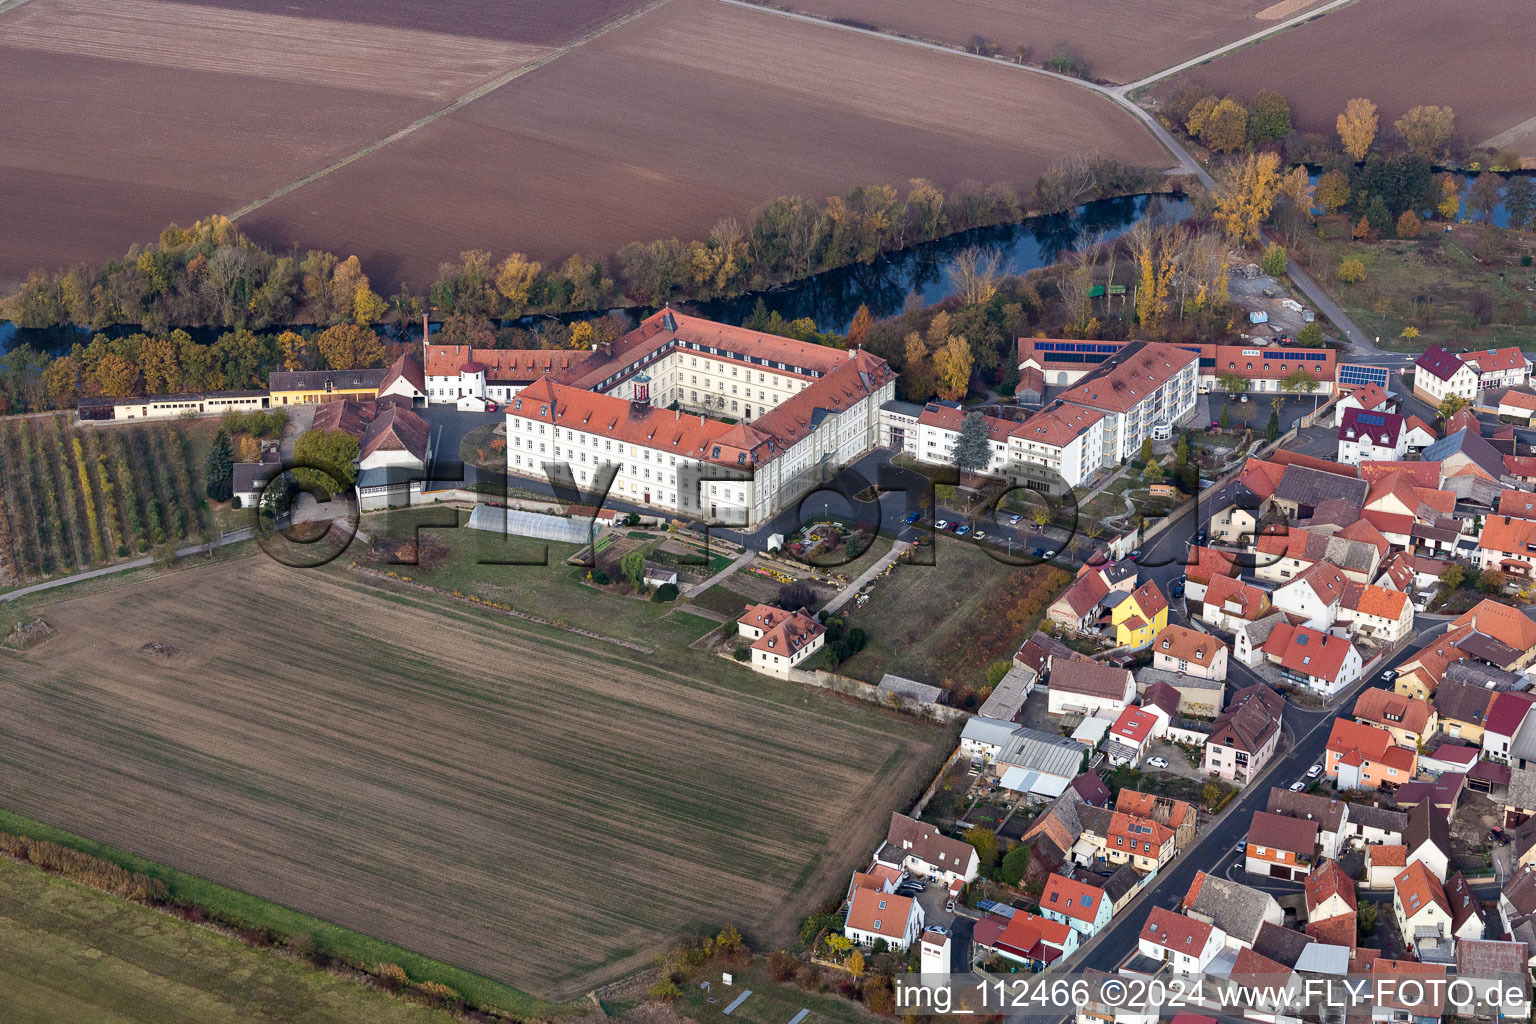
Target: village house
[1129, 737]
[1330, 893]
[1369, 825]
[786, 644]
[920, 848]
[1498, 367]
[1181, 649]
[1321, 662]
[1375, 614]
[1280, 847]
[1144, 844]
[1364, 757]
[1517, 908]
[1506, 714]
[1188, 946]
[1032, 940]
[1438, 374]
[1229, 604]
[1244, 736]
[1249, 638]
[1165, 810]
[1140, 617]
[1079, 605]
[1080, 906]
[1418, 434]
[1238, 911]
[1467, 918]
[1201, 565]
[1517, 405]
[1330, 814]
[1371, 436]
[1089, 688]
[1315, 595]
[1197, 696]
[1383, 863]
[1422, 912]
[1367, 398]
[1428, 838]
[1410, 721]
[1302, 489]
[1504, 963]
[874, 915]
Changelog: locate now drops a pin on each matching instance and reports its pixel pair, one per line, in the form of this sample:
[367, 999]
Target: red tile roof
[1057, 426]
[1251, 601]
[882, 913]
[1392, 710]
[1505, 624]
[1175, 931]
[1280, 832]
[1356, 744]
[1417, 888]
[1133, 726]
[502, 365]
[1130, 376]
[790, 635]
[1187, 644]
[1495, 360]
[1327, 880]
[1309, 652]
[1077, 900]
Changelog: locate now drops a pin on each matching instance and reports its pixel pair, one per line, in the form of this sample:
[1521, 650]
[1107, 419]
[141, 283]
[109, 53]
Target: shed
[911, 689]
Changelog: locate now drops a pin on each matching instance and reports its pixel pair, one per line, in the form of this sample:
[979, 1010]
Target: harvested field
[503, 798]
[542, 22]
[123, 117]
[1119, 43]
[1455, 53]
[695, 111]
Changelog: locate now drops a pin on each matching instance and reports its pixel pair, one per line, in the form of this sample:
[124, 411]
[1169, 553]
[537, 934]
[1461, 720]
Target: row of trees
[1228, 124]
[173, 362]
[211, 274]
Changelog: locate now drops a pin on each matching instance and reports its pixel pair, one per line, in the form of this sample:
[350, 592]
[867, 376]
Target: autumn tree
[632, 565]
[1273, 261]
[1484, 196]
[1351, 271]
[61, 382]
[1357, 127]
[1245, 195]
[294, 350]
[974, 274]
[858, 329]
[916, 368]
[1269, 118]
[1427, 130]
[218, 467]
[114, 376]
[325, 459]
[248, 449]
[1450, 197]
[515, 279]
[1225, 126]
[1408, 225]
[952, 363]
[1450, 405]
[350, 347]
[972, 447]
[1333, 191]
[856, 964]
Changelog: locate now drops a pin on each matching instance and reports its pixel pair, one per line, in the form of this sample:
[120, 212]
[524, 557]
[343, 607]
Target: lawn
[944, 623]
[771, 1002]
[69, 953]
[534, 805]
[1433, 284]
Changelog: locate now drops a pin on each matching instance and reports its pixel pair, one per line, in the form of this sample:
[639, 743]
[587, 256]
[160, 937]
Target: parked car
[490, 406]
[1314, 771]
[942, 524]
[1015, 520]
[963, 531]
[912, 517]
[1039, 552]
[938, 928]
[1177, 589]
[1136, 555]
[1215, 424]
[1239, 846]
[1243, 399]
[1201, 536]
[950, 906]
[1389, 675]
[981, 535]
[1051, 553]
[1158, 762]
[1297, 787]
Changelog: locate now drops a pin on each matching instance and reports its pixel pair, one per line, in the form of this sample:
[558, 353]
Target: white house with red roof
[1499, 367]
[1367, 397]
[1315, 595]
[874, 915]
[1130, 736]
[1320, 661]
[781, 640]
[1186, 945]
[1082, 907]
[1032, 940]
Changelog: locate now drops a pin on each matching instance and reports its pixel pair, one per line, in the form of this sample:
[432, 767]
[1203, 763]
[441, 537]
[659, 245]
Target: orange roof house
[1410, 721]
[1364, 757]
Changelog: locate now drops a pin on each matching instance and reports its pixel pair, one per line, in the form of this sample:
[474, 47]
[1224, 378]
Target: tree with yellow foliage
[1450, 197]
[916, 368]
[1351, 271]
[114, 376]
[1357, 127]
[515, 278]
[350, 347]
[1245, 195]
[1408, 224]
[1333, 191]
[953, 364]
[294, 350]
[1225, 127]
[1427, 130]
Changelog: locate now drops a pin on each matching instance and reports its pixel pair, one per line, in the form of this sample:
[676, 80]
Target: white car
[1015, 520]
[1297, 787]
[1314, 771]
[942, 524]
[1158, 762]
[978, 535]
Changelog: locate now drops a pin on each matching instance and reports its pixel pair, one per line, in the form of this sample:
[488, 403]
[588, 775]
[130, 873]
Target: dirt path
[422, 122]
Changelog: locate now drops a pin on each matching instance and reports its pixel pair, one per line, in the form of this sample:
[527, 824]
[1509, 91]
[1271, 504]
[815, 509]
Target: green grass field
[1429, 285]
[71, 955]
[771, 1002]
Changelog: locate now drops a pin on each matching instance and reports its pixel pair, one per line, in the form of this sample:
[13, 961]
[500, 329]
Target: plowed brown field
[692, 112]
[1398, 54]
[511, 801]
[1121, 42]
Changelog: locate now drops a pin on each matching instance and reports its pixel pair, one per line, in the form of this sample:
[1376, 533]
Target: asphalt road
[1307, 733]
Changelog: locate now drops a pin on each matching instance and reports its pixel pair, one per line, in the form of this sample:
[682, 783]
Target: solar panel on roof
[1371, 419]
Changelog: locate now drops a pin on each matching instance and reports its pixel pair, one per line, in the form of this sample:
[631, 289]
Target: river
[832, 298]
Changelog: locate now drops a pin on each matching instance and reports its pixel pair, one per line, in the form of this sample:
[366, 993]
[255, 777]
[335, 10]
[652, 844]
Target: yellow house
[296, 387]
[1140, 617]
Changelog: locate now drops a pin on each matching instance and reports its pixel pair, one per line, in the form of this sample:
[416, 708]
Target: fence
[861, 690]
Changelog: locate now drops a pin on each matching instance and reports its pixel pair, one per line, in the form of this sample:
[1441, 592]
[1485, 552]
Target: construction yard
[444, 776]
